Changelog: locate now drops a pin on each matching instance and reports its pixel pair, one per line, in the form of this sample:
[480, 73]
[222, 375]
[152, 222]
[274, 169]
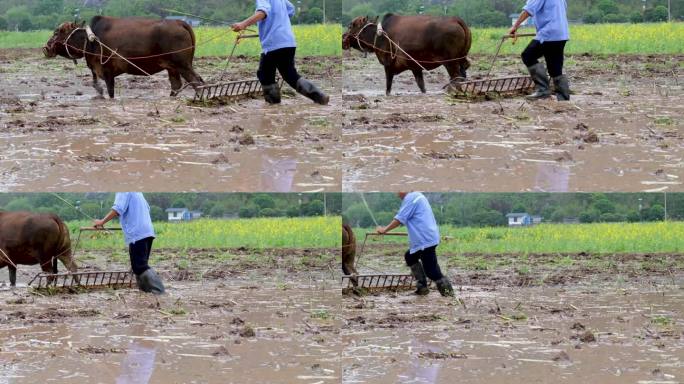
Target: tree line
[25, 15]
[490, 209]
[495, 13]
[81, 206]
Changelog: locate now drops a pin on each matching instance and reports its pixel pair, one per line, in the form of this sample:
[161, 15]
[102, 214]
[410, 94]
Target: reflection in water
[552, 178]
[138, 365]
[421, 370]
[277, 175]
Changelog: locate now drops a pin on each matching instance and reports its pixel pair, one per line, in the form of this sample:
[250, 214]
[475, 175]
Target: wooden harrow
[83, 280]
[86, 280]
[379, 281]
[230, 90]
[511, 85]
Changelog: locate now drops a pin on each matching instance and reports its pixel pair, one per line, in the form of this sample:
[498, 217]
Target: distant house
[182, 214]
[537, 220]
[519, 219]
[193, 22]
[528, 23]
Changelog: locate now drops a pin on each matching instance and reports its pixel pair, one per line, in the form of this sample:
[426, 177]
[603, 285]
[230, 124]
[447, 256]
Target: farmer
[134, 216]
[278, 50]
[416, 214]
[552, 34]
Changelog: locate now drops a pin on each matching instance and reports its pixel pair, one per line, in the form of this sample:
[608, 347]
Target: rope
[72, 206]
[368, 209]
[8, 259]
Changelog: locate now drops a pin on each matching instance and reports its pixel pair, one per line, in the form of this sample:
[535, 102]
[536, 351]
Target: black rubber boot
[271, 93]
[562, 88]
[540, 78]
[308, 89]
[444, 287]
[150, 282]
[421, 280]
[12, 276]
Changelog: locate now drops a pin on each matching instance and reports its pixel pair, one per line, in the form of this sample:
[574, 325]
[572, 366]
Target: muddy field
[623, 130]
[270, 319]
[616, 319]
[59, 138]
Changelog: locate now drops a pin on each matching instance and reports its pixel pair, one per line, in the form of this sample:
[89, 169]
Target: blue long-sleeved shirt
[416, 214]
[275, 31]
[550, 18]
[134, 216]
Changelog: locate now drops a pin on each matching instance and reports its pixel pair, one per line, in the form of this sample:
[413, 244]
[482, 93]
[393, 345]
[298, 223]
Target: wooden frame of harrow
[86, 280]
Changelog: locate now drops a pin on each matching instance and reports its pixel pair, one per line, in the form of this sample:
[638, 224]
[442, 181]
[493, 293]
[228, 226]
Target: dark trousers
[282, 60]
[428, 257]
[140, 254]
[552, 52]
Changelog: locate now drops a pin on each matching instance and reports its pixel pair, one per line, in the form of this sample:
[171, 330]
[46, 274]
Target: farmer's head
[402, 194]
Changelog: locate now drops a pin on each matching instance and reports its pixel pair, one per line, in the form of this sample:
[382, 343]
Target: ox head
[64, 35]
[358, 26]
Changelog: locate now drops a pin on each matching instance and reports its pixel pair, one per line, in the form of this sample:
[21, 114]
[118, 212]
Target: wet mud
[622, 131]
[253, 323]
[607, 325]
[60, 138]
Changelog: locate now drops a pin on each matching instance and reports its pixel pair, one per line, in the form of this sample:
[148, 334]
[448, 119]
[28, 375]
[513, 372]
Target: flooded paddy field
[59, 138]
[589, 318]
[229, 316]
[622, 131]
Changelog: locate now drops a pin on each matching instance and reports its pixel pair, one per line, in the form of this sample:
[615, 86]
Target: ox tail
[64, 246]
[192, 36]
[468, 35]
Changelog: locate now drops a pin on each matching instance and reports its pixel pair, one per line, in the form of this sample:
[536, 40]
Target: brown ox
[413, 43]
[150, 46]
[349, 252]
[30, 238]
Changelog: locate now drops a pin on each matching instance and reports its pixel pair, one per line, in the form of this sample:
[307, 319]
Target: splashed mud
[248, 324]
[58, 138]
[607, 325]
[622, 131]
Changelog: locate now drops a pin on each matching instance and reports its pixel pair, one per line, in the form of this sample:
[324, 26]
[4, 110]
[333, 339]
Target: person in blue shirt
[278, 50]
[134, 215]
[416, 214]
[551, 22]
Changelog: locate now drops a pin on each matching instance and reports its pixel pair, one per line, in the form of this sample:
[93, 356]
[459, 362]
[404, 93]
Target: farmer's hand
[513, 30]
[237, 27]
[98, 223]
[380, 230]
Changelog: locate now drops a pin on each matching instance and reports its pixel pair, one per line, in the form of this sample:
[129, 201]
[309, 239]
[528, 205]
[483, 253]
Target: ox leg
[70, 265]
[68, 262]
[389, 75]
[457, 70]
[348, 269]
[191, 76]
[418, 74]
[97, 86]
[176, 82]
[12, 275]
[109, 80]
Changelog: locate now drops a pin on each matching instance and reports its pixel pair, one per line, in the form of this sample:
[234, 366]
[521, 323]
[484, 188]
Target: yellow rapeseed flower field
[309, 232]
[599, 238]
